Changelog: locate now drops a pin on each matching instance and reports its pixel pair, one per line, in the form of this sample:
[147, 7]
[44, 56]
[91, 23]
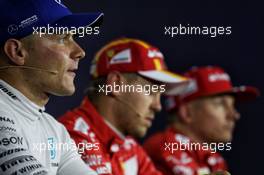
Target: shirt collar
[17, 99]
[105, 131]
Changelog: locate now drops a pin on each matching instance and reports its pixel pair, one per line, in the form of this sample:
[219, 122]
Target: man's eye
[63, 39]
[218, 102]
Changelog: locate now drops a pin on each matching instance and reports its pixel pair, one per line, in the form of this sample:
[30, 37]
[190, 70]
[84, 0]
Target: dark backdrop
[240, 54]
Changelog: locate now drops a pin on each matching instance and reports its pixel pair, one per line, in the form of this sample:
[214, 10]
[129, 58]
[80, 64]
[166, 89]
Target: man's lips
[148, 121]
[230, 127]
[72, 72]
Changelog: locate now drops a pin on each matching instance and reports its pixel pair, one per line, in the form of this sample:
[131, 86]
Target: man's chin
[64, 92]
[140, 133]
[69, 92]
[227, 137]
[223, 139]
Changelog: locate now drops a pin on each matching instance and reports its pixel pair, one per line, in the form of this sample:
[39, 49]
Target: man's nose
[156, 104]
[77, 52]
[233, 113]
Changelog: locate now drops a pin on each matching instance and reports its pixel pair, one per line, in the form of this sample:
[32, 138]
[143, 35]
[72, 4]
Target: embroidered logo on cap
[122, 57]
[218, 77]
[154, 53]
[12, 29]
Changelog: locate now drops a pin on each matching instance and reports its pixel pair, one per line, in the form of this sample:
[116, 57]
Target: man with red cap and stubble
[202, 120]
[121, 101]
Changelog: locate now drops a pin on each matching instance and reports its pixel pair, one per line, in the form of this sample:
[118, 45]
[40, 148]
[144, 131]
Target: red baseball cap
[207, 81]
[129, 55]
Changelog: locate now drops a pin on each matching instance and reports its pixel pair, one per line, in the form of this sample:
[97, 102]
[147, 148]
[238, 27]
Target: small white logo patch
[218, 77]
[28, 21]
[122, 57]
[81, 125]
[155, 54]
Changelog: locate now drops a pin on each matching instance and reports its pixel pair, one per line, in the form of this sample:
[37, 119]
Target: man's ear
[114, 80]
[185, 114]
[15, 51]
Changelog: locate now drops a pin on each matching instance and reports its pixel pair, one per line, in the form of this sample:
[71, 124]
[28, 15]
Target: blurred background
[240, 54]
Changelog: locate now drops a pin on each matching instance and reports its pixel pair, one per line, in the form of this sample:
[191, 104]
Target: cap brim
[81, 20]
[245, 93]
[163, 76]
[241, 93]
[175, 84]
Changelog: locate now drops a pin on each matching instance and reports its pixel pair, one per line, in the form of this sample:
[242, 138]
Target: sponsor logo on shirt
[5, 119]
[92, 159]
[42, 172]
[16, 161]
[55, 164]
[96, 162]
[29, 168]
[52, 147]
[6, 128]
[104, 169]
[81, 125]
[11, 140]
[11, 151]
[5, 90]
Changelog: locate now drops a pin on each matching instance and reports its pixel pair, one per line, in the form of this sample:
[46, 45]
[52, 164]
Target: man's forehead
[217, 96]
[58, 35]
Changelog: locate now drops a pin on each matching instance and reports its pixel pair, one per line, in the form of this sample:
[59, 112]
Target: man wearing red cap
[122, 99]
[202, 120]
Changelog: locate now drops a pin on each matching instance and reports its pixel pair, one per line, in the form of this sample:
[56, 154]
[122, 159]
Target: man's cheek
[58, 58]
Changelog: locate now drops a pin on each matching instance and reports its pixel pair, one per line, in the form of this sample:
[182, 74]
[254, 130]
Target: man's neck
[121, 135]
[105, 107]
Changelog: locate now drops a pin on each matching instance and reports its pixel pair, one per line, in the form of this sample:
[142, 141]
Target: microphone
[30, 67]
[129, 105]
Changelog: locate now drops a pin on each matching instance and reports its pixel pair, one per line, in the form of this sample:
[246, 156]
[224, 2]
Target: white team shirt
[32, 142]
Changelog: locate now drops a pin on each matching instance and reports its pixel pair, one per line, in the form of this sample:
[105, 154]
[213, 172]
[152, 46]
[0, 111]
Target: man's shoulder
[78, 125]
[4, 106]
[71, 116]
[155, 144]
[168, 134]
